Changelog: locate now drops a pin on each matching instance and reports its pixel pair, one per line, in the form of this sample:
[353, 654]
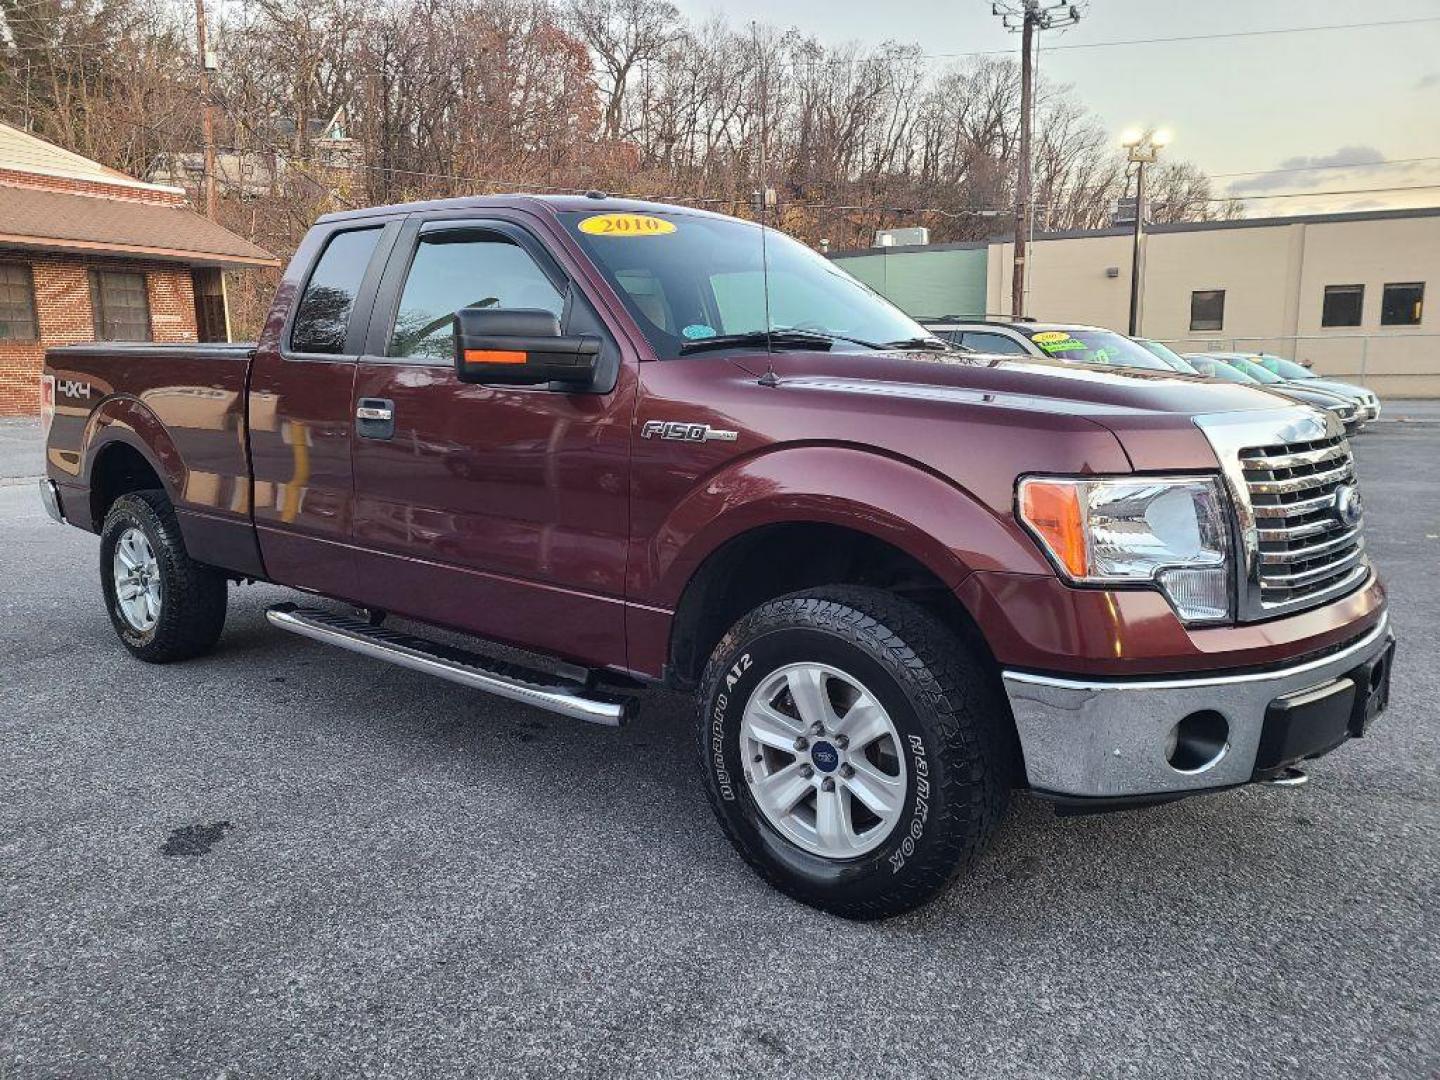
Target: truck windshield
[687, 279]
[1082, 345]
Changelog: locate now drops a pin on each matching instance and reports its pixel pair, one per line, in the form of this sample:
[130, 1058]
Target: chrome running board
[454, 665]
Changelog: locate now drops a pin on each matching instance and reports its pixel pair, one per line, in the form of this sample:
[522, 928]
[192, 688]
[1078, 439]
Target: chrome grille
[1306, 550]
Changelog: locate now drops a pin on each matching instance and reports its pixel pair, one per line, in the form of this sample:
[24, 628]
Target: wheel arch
[127, 449]
[810, 516]
[773, 560]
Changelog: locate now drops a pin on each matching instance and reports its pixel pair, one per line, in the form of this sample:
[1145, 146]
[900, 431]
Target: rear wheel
[854, 751]
[163, 604]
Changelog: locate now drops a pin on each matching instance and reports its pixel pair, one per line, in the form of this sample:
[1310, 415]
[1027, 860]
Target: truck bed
[182, 407]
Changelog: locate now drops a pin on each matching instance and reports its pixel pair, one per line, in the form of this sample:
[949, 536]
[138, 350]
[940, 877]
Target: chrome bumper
[50, 498]
[1109, 739]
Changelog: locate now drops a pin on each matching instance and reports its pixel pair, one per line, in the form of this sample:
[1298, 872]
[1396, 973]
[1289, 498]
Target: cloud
[1310, 171]
[1428, 81]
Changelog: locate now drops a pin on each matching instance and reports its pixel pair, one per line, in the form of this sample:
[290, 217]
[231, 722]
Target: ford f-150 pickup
[641, 447]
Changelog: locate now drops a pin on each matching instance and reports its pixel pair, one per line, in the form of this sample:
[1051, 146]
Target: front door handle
[375, 418]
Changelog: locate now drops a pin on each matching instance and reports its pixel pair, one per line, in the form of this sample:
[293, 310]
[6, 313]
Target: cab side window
[464, 269]
[323, 315]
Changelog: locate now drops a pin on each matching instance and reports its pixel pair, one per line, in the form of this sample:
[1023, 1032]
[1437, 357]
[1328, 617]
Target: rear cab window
[322, 318]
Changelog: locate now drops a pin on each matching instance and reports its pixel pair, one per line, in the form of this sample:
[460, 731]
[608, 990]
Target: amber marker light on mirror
[495, 356]
[1053, 511]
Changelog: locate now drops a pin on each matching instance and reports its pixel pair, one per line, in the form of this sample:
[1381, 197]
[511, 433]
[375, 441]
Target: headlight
[1169, 532]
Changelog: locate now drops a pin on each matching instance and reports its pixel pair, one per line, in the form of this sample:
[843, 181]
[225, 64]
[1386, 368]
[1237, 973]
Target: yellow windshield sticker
[626, 225]
[1053, 341]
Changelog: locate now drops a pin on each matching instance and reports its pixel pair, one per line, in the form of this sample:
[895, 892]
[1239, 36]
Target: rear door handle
[375, 418]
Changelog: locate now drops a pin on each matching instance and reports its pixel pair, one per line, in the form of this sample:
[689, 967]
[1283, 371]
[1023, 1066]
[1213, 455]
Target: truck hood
[1150, 413]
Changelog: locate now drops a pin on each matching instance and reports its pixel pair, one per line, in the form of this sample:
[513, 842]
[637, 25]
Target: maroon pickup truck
[643, 448]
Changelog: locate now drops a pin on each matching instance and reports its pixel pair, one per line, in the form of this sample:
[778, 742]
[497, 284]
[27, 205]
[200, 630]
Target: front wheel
[854, 751]
[163, 604]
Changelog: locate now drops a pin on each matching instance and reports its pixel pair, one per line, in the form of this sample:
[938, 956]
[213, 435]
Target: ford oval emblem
[1348, 507]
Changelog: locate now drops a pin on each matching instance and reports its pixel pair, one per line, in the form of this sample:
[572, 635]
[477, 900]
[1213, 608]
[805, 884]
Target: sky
[1338, 110]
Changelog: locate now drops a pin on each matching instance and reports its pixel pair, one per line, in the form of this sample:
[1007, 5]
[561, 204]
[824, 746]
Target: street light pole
[1135, 248]
[1142, 148]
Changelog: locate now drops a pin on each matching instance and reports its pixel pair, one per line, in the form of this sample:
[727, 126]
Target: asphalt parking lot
[284, 860]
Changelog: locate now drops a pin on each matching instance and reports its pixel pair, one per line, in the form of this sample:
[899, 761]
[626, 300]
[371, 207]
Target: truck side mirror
[520, 347]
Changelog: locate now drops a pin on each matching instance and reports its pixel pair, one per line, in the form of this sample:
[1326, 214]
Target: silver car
[1365, 400]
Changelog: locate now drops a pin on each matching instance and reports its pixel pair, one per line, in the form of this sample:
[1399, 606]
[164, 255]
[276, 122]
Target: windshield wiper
[939, 344]
[785, 339]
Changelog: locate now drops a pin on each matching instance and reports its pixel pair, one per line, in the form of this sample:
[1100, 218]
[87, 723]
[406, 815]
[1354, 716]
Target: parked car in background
[1070, 343]
[1167, 355]
[1366, 400]
[1214, 364]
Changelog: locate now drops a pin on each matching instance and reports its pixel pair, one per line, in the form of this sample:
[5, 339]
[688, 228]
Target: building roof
[1168, 227]
[66, 221]
[23, 152]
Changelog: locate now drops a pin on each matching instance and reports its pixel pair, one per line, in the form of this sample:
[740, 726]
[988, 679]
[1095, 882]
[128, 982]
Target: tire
[948, 747]
[186, 610]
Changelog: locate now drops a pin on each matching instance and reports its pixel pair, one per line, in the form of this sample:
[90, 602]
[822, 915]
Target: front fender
[925, 515]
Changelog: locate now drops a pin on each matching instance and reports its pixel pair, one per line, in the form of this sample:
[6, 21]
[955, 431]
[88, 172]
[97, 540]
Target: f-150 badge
[678, 431]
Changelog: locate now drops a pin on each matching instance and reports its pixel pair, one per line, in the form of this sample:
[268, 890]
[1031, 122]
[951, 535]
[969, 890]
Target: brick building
[90, 254]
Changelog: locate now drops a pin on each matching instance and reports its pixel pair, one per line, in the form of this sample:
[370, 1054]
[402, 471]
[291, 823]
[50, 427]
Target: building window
[120, 305]
[17, 303]
[1207, 309]
[1401, 304]
[1343, 305]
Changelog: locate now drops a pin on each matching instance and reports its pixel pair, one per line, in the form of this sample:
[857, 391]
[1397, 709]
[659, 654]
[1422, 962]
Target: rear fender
[125, 420]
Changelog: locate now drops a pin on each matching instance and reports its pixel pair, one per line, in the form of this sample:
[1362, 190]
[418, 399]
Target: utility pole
[207, 109]
[1027, 16]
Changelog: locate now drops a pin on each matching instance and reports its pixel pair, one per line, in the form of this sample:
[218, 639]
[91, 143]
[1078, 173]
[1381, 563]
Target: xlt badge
[679, 431]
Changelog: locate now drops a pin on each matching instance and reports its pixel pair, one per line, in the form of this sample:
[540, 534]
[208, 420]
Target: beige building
[1345, 292]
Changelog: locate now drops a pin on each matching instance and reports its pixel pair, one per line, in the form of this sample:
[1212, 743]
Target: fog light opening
[1197, 742]
[1377, 675]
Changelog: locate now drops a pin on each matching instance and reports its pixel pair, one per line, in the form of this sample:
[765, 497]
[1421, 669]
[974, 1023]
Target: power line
[1317, 194]
[1312, 168]
[1141, 41]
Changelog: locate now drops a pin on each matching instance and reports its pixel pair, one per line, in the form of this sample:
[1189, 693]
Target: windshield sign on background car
[689, 279]
[1094, 347]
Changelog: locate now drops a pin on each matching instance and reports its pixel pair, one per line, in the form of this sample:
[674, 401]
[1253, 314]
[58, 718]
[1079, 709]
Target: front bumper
[1113, 739]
